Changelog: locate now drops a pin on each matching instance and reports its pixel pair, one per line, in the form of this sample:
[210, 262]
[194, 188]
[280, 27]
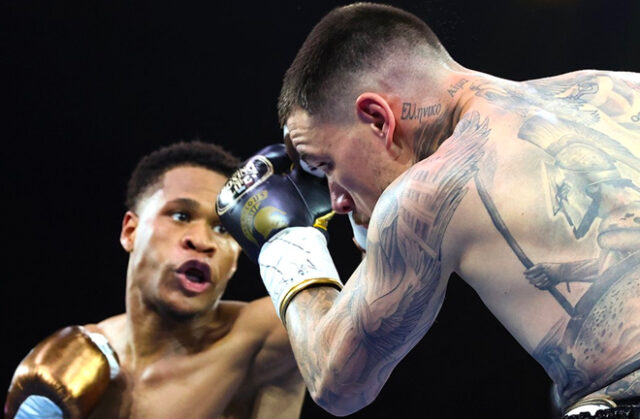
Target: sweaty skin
[553, 249]
[184, 352]
[239, 373]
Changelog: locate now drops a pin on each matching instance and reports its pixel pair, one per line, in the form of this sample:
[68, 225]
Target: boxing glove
[268, 194]
[270, 202]
[63, 376]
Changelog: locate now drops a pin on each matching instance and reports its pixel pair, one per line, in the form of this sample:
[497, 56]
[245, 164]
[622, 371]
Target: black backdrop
[91, 86]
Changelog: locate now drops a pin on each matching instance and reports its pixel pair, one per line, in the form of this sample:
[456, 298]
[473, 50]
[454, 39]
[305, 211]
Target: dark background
[89, 87]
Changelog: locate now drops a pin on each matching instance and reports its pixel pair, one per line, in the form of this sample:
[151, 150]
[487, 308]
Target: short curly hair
[153, 166]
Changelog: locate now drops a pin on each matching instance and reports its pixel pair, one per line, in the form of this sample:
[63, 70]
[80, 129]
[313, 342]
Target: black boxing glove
[269, 200]
[268, 194]
[359, 232]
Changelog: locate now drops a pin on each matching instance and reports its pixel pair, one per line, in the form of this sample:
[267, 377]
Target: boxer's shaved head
[153, 166]
[345, 47]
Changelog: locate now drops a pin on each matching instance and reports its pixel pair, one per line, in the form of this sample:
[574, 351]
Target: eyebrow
[186, 202]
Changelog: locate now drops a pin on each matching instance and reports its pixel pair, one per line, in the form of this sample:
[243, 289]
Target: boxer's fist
[64, 375]
[268, 194]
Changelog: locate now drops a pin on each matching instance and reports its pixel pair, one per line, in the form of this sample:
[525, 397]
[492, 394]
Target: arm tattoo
[394, 296]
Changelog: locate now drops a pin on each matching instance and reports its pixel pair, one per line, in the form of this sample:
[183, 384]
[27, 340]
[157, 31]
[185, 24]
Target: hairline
[156, 185]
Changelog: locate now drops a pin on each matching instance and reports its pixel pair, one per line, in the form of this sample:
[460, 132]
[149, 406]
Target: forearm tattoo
[355, 340]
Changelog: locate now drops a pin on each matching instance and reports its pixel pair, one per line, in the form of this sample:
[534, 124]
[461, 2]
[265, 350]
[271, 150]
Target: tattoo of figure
[593, 181]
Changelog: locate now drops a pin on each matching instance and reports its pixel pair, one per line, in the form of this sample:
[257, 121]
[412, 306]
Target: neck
[429, 115]
[153, 334]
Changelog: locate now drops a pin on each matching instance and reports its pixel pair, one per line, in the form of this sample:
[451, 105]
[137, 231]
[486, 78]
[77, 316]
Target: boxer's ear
[128, 231]
[374, 110]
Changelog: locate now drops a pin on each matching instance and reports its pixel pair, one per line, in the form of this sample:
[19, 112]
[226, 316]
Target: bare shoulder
[114, 328]
[259, 327]
[413, 214]
[583, 75]
[457, 159]
[257, 317]
[589, 86]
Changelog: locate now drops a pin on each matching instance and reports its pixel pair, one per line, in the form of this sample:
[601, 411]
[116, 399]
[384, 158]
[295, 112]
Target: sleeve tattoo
[347, 345]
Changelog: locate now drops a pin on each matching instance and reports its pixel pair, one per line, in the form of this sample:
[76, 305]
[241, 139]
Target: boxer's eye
[319, 166]
[220, 229]
[324, 166]
[180, 216]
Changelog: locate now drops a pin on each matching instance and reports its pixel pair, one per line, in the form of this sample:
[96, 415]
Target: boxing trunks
[623, 409]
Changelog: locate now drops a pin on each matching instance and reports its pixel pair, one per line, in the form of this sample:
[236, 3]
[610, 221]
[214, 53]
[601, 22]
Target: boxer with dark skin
[181, 350]
[530, 191]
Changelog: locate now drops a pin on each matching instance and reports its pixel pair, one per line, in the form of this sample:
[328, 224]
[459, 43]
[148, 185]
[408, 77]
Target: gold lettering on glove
[248, 214]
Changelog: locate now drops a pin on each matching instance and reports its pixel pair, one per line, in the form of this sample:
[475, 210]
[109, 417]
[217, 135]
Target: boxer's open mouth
[194, 275]
[195, 271]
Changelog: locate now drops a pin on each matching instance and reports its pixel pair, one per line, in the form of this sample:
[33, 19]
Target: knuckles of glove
[267, 194]
[67, 368]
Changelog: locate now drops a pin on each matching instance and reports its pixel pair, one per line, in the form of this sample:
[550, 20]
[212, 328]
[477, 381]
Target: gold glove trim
[323, 222]
[308, 283]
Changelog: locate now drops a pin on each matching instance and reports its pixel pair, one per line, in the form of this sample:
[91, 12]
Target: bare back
[546, 224]
[247, 372]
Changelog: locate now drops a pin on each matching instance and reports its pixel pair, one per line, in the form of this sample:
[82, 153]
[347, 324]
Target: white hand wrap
[295, 259]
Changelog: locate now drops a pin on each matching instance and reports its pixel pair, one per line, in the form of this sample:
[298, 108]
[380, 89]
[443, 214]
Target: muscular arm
[280, 399]
[347, 344]
[280, 389]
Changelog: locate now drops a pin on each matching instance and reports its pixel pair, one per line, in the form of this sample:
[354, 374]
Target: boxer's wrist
[293, 260]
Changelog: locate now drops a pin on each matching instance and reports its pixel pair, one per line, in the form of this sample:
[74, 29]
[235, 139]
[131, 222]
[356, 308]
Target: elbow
[342, 399]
